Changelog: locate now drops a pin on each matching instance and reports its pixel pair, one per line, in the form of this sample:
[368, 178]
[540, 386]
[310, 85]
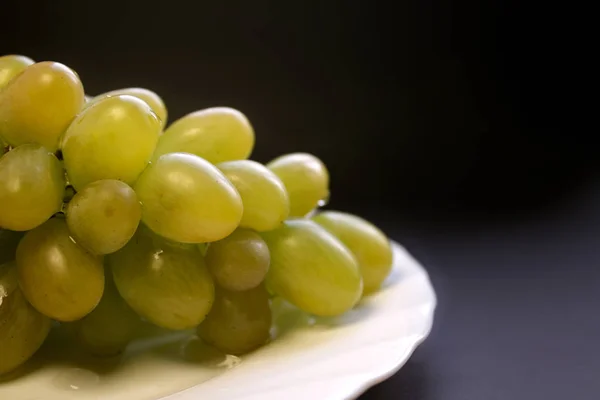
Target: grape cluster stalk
[112, 220]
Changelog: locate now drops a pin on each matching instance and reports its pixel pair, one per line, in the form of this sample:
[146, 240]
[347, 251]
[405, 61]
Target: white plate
[311, 358]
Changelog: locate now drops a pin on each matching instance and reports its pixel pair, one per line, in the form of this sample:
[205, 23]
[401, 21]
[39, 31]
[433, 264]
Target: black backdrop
[435, 118]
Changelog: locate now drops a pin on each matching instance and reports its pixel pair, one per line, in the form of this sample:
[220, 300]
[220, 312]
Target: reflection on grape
[22, 328]
[11, 66]
[306, 179]
[9, 241]
[104, 215]
[112, 139]
[39, 104]
[216, 134]
[312, 269]
[166, 283]
[31, 188]
[58, 277]
[188, 200]
[239, 322]
[240, 261]
[108, 329]
[152, 99]
[369, 245]
[265, 199]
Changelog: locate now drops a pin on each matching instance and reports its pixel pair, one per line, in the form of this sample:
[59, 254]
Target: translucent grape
[108, 329]
[152, 99]
[216, 134]
[238, 322]
[58, 277]
[112, 139]
[39, 104]
[306, 179]
[22, 328]
[240, 261]
[265, 199]
[369, 245]
[9, 241]
[32, 186]
[166, 283]
[188, 200]
[312, 269]
[11, 66]
[104, 215]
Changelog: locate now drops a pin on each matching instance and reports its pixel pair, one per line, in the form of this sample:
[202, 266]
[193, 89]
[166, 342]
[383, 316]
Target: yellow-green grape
[152, 99]
[188, 200]
[240, 261]
[239, 322]
[39, 104]
[312, 269]
[9, 241]
[22, 328]
[216, 134]
[112, 139]
[32, 185]
[104, 215]
[11, 66]
[265, 199]
[87, 100]
[167, 284]
[58, 277]
[108, 329]
[369, 245]
[306, 179]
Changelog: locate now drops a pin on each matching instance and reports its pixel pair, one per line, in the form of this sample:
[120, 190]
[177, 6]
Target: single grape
[166, 283]
[11, 66]
[265, 199]
[240, 261]
[216, 134]
[9, 241]
[104, 215]
[39, 104]
[152, 99]
[112, 139]
[22, 328]
[108, 329]
[58, 277]
[239, 322]
[32, 186]
[188, 200]
[369, 245]
[312, 269]
[306, 179]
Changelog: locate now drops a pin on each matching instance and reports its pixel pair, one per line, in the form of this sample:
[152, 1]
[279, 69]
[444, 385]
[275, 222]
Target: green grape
[306, 179]
[58, 277]
[369, 245]
[11, 66]
[312, 269]
[32, 186]
[104, 215]
[216, 134]
[112, 139]
[166, 283]
[239, 322]
[9, 241]
[87, 100]
[39, 104]
[240, 261]
[22, 328]
[188, 200]
[152, 99]
[265, 199]
[108, 329]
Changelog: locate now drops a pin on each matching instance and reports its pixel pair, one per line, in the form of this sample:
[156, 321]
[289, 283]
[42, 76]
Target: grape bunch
[111, 219]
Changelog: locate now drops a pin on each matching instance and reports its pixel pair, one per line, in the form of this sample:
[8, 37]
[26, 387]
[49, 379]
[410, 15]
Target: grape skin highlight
[154, 101]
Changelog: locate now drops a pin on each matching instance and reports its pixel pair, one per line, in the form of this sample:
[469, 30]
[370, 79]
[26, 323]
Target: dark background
[455, 126]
